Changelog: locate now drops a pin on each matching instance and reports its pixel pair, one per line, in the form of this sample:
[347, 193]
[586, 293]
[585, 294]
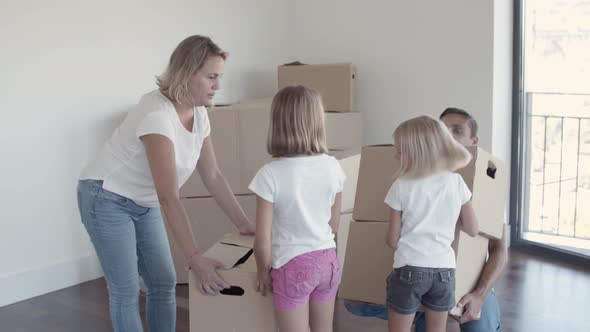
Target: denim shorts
[410, 286]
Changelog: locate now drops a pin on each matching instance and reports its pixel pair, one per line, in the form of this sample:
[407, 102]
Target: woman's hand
[264, 282]
[205, 269]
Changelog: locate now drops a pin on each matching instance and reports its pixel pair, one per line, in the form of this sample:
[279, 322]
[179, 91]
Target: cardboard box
[344, 130]
[377, 166]
[224, 135]
[335, 82]
[239, 134]
[342, 236]
[486, 177]
[243, 309]
[209, 223]
[349, 161]
[471, 253]
[241, 130]
[369, 261]
[253, 124]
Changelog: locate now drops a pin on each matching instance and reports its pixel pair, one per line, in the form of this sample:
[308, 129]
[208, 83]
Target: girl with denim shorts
[427, 200]
[297, 214]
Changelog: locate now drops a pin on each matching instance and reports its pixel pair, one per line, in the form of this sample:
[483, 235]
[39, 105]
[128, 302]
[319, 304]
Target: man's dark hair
[471, 121]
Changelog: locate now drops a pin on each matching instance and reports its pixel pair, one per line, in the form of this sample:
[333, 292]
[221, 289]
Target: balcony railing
[558, 164]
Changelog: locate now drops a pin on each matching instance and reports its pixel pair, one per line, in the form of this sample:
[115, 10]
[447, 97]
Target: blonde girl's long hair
[425, 146]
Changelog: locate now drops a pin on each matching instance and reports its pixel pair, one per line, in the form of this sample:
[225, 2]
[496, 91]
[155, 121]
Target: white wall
[68, 70]
[412, 57]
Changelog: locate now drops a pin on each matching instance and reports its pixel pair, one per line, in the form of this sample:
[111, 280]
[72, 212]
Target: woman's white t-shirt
[302, 190]
[430, 209]
[122, 163]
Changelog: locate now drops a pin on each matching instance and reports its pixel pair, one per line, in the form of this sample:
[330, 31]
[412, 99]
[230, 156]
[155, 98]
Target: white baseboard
[42, 280]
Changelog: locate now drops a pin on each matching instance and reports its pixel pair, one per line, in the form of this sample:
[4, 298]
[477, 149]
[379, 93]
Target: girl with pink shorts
[297, 214]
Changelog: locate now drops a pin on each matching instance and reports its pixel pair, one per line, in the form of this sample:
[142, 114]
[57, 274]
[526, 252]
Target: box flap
[245, 241]
[234, 249]
[228, 255]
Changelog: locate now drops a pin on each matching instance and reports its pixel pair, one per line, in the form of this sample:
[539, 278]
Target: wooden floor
[535, 294]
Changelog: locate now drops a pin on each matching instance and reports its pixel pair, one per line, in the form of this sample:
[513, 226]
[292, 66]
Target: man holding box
[482, 300]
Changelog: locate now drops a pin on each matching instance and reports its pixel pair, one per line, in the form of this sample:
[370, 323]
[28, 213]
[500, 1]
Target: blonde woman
[427, 200]
[297, 214]
[135, 179]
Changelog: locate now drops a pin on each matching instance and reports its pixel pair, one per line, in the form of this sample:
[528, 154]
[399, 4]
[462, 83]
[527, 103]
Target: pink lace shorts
[310, 277]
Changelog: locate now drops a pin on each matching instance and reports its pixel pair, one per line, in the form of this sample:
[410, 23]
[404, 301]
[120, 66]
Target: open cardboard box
[209, 223]
[240, 308]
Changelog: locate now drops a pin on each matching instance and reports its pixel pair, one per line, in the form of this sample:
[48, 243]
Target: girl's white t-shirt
[430, 209]
[302, 190]
[122, 163]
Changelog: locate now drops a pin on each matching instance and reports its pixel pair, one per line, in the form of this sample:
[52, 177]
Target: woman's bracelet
[190, 258]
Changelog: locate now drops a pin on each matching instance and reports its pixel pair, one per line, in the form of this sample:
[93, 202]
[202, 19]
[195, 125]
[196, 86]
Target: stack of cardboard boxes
[368, 259]
[239, 134]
